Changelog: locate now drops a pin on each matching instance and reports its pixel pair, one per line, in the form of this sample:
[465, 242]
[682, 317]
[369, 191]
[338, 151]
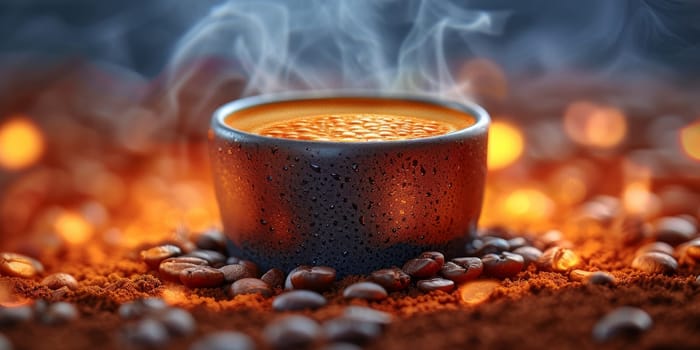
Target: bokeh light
[528, 204]
[21, 144]
[73, 228]
[485, 79]
[690, 140]
[595, 126]
[506, 145]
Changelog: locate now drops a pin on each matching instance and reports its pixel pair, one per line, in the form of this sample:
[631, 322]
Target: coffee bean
[170, 268]
[316, 278]
[348, 330]
[592, 278]
[298, 300]
[274, 278]
[392, 278]
[492, 245]
[421, 267]
[141, 307]
[436, 283]
[154, 256]
[213, 257]
[5, 343]
[235, 272]
[633, 229]
[292, 332]
[517, 242]
[178, 322]
[341, 346]
[674, 230]
[697, 281]
[655, 263]
[225, 340]
[251, 286]
[211, 240]
[623, 320]
[558, 259]
[12, 315]
[59, 280]
[659, 247]
[365, 290]
[502, 265]
[437, 256]
[59, 313]
[201, 277]
[530, 254]
[689, 252]
[461, 270]
[18, 265]
[366, 314]
[147, 332]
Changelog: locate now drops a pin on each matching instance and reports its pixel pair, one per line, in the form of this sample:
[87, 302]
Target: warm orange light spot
[174, 295]
[637, 197]
[528, 204]
[484, 79]
[21, 144]
[477, 292]
[73, 228]
[506, 144]
[690, 140]
[593, 125]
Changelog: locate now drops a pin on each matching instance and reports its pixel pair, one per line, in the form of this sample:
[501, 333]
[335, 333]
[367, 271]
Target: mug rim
[479, 127]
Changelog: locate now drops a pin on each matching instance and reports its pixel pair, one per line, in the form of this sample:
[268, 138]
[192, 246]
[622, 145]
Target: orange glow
[528, 204]
[174, 295]
[637, 197]
[73, 228]
[690, 140]
[593, 125]
[506, 145]
[477, 292]
[21, 144]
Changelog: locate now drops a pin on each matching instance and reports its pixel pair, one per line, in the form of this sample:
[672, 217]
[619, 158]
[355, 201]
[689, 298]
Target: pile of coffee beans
[152, 322]
[41, 311]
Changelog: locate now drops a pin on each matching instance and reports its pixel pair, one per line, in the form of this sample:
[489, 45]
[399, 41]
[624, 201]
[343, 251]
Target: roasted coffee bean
[12, 315]
[517, 242]
[461, 270]
[593, 278]
[274, 278]
[154, 256]
[659, 247]
[316, 278]
[697, 281]
[213, 257]
[251, 286]
[59, 313]
[530, 254]
[251, 267]
[558, 259]
[5, 343]
[689, 252]
[146, 332]
[366, 314]
[392, 278]
[633, 229]
[170, 269]
[292, 332]
[341, 346]
[437, 256]
[421, 267]
[436, 283]
[201, 277]
[298, 300]
[623, 320]
[349, 330]
[365, 290]
[225, 340]
[674, 230]
[656, 263]
[141, 307]
[18, 265]
[177, 321]
[211, 240]
[502, 265]
[59, 280]
[235, 272]
[551, 238]
[492, 245]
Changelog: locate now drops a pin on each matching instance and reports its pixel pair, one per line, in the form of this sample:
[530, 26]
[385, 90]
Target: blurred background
[104, 105]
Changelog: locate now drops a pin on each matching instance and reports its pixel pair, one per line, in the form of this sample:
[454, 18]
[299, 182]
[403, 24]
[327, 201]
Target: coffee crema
[349, 119]
[355, 127]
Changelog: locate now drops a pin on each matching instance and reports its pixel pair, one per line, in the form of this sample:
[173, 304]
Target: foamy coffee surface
[351, 119]
[352, 127]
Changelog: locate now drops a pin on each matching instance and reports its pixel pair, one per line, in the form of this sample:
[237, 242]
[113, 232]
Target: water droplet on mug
[316, 168]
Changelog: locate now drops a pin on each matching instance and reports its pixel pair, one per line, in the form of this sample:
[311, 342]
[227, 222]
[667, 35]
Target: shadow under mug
[355, 206]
